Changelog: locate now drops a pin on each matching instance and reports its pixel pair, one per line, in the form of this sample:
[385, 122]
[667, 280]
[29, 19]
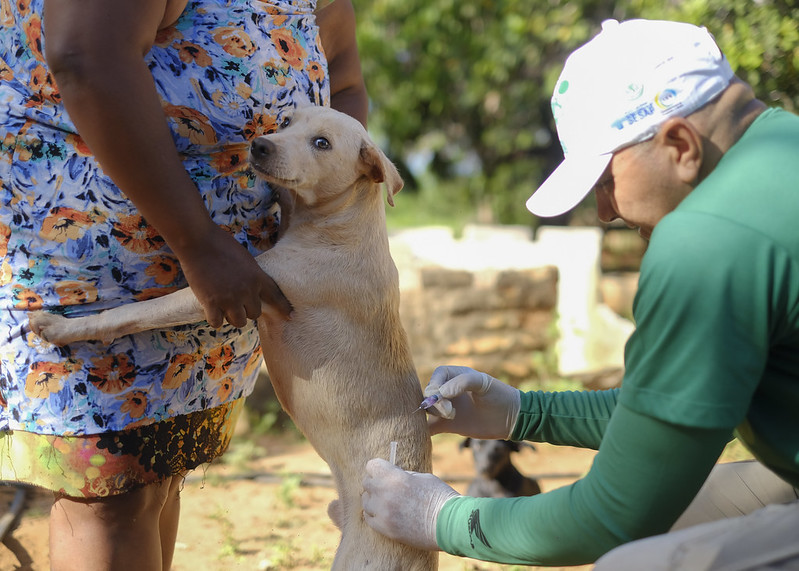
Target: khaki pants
[744, 518]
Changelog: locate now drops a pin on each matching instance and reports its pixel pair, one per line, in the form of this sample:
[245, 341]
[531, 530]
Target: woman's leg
[170, 517]
[118, 532]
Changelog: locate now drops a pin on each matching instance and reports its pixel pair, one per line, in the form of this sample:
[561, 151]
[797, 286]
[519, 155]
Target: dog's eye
[321, 143]
[285, 122]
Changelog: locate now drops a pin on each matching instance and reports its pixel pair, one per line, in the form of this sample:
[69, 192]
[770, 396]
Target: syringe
[428, 403]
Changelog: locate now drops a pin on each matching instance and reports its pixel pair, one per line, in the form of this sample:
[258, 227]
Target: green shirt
[715, 352]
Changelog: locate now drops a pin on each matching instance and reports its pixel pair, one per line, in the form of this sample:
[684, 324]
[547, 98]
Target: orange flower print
[26, 298]
[219, 361]
[166, 36]
[261, 231]
[23, 6]
[5, 72]
[77, 143]
[315, 71]
[244, 91]
[33, 31]
[190, 52]
[135, 403]
[163, 269]
[46, 378]
[136, 235]
[277, 72]
[5, 235]
[260, 124]
[74, 292]
[112, 374]
[228, 161]
[179, 370]
[191, 124]
[6, 273]
[63, 224]
[43, 87]
[293, 53]
[234, 41]
[224, 388]
[255, 361]
[6, 18]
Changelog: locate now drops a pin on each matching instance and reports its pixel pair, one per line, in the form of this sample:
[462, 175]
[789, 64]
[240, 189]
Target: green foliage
[288, 489]
[760, 38]
[463, 87]
[460, 90]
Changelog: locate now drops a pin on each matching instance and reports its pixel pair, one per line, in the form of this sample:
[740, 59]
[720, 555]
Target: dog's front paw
[50, 327]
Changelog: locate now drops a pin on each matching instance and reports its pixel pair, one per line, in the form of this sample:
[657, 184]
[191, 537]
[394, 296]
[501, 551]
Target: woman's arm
[337, 30]
[95, 50]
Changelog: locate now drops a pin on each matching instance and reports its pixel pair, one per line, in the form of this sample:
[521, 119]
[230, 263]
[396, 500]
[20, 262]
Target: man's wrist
[514, 408]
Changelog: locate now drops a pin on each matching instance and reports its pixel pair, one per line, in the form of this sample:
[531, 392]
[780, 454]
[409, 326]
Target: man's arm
[646, 473]
[565, 418]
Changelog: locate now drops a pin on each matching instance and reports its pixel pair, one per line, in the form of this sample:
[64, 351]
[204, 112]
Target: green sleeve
[568, 418]
[645, 474]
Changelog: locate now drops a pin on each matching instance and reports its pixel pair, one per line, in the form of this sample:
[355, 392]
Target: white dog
[341, 366]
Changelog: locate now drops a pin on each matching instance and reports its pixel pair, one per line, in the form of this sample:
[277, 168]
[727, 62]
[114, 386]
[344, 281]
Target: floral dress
[90, 419]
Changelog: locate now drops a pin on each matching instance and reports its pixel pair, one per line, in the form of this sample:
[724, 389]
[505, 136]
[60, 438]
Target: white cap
[617, 90]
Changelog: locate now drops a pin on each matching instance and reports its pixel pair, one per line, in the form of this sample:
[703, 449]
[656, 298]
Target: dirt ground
[265, 507]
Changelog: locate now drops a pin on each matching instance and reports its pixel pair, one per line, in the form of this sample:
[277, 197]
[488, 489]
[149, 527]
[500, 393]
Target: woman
[124, 131]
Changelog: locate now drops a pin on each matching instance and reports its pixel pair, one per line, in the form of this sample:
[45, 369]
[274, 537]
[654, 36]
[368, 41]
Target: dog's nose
[261, 148]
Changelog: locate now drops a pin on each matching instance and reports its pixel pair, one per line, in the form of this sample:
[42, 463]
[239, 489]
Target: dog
[341, 366]
[497, 477]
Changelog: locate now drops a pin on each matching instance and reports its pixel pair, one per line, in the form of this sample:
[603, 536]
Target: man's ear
[685, 146]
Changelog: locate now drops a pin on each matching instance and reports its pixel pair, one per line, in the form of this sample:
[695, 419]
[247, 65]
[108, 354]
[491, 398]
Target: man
[651, 117]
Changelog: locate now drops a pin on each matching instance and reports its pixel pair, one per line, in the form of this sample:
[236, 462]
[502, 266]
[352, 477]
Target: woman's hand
[208, 270]
[95, 50]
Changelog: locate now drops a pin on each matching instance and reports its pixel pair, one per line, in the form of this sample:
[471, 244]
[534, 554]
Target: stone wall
[499, 322]
[497, 300]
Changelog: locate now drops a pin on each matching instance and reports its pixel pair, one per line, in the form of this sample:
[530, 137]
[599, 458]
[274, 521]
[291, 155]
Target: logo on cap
[666, 98]
[634, 91]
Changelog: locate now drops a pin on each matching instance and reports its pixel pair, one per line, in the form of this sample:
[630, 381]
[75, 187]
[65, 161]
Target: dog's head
[491, 457]
[320, 153]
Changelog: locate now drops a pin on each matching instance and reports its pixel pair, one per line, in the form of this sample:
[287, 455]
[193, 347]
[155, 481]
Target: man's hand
[403, 505]
[481, 406]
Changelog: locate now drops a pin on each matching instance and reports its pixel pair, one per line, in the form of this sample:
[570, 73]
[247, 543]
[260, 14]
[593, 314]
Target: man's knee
[765, 539]
[735, 489]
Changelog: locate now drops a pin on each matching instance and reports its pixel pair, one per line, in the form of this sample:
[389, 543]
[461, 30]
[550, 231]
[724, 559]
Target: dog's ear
[380, 169]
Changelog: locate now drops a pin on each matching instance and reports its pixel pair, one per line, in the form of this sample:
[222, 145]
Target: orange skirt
[117, 462]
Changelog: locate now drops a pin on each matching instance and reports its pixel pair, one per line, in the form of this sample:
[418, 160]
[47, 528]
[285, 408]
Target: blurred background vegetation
[460, 89]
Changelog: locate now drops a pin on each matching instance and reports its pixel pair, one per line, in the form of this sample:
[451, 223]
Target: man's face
[640, 186]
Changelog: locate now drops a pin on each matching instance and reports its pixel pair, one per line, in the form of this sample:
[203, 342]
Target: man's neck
[724, 121]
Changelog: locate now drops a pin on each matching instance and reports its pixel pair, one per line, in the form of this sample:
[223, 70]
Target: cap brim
[567, 185]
